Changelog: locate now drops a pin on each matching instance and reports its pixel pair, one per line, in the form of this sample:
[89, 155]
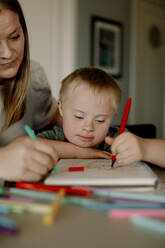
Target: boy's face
[86, 116]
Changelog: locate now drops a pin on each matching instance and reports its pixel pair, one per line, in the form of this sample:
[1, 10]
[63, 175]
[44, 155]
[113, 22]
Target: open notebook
[98, 172]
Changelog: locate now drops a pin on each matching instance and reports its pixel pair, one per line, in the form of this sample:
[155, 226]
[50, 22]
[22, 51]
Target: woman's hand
[26, 159]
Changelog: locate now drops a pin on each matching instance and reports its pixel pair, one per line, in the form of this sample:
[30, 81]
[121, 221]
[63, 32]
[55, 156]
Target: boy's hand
[126, 147]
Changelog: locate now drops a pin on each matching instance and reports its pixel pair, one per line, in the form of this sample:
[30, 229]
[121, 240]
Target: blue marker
[6, 222]
[32, 135]
[30, 132]
[154, 225]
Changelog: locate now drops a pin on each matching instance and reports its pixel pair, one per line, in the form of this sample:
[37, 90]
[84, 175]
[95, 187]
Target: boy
[89, 100]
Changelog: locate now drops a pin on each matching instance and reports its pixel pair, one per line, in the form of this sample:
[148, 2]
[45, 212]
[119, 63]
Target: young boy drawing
[88, 101]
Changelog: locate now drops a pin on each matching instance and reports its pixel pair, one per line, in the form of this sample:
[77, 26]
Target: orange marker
[51, 216]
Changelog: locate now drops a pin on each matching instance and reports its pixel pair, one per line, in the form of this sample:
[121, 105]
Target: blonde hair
[15, 89]
[96, 79]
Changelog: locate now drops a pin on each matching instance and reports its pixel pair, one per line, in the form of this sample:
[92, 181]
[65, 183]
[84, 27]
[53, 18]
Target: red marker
[80, 168]
[52, 188]
[123, 123]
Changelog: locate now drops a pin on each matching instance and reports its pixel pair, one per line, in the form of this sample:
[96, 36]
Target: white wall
[59, 33]
[147, 72]
[117, 10]
[51, 25]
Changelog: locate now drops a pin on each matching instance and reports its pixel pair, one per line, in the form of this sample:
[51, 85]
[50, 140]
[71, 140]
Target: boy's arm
[56, 138]
[131, 148]
[69, 150]
[153, 151]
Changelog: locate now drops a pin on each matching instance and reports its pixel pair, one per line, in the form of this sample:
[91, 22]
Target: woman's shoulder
[38, 78]
[39, 95]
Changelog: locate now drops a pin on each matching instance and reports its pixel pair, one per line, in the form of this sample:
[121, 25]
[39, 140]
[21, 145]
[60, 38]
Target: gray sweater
[39, 110]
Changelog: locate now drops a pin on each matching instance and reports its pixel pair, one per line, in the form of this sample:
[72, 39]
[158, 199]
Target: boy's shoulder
[113, 131]
[55, 133]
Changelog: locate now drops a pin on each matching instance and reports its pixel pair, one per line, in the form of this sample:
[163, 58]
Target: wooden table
[77, 227]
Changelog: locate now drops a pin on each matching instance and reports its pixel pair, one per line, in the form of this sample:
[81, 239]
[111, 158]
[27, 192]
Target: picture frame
[107, 45]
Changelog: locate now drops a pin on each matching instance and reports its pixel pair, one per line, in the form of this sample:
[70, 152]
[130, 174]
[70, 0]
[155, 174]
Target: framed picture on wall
[107, 45]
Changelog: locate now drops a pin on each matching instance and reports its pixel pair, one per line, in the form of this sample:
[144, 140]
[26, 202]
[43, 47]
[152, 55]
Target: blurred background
[60, 39]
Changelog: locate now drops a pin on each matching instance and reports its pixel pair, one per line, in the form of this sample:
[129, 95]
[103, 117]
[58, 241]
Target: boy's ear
[60, 107]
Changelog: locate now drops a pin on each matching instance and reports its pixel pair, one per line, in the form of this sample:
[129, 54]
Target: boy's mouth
[86, 138]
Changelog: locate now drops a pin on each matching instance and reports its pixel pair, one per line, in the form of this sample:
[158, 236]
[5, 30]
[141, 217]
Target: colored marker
[127, 213]
[49, 218]
[31, 207]
[151, 224]
[135, 204]
[52, 188]
[32, 135]
[8, 230]
[7, 225]
[129, 196]
[6, 222]
[78, 201]
[4, 209]
[17, 199]
[123, 123]
[32, 194]
[89, 203]
[72, 169]
[30, 132]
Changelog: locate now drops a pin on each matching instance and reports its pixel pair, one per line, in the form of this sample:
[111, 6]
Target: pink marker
[127, 213]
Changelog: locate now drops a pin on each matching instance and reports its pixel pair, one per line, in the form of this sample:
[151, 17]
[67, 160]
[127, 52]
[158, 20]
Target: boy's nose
[5, 51]
[88, 126]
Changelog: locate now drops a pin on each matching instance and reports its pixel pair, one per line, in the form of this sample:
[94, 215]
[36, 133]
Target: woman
[25, 98]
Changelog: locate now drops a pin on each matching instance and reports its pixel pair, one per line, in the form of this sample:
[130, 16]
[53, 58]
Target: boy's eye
[79, 117]
[100, 121]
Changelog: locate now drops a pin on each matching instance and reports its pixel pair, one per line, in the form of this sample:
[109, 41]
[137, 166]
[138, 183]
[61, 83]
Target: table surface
[77, 227]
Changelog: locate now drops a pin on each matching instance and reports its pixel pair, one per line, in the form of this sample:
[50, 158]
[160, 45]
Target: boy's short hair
[96, 79]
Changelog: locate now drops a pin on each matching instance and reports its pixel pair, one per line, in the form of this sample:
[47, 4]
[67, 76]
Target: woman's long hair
[15, 89]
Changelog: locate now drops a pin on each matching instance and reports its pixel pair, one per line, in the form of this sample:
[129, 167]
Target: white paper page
[98, 172]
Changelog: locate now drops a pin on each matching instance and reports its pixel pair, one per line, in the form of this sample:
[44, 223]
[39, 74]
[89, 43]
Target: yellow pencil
[49, 218]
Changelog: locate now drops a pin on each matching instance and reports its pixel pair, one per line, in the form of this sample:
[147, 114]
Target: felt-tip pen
[52, 188]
